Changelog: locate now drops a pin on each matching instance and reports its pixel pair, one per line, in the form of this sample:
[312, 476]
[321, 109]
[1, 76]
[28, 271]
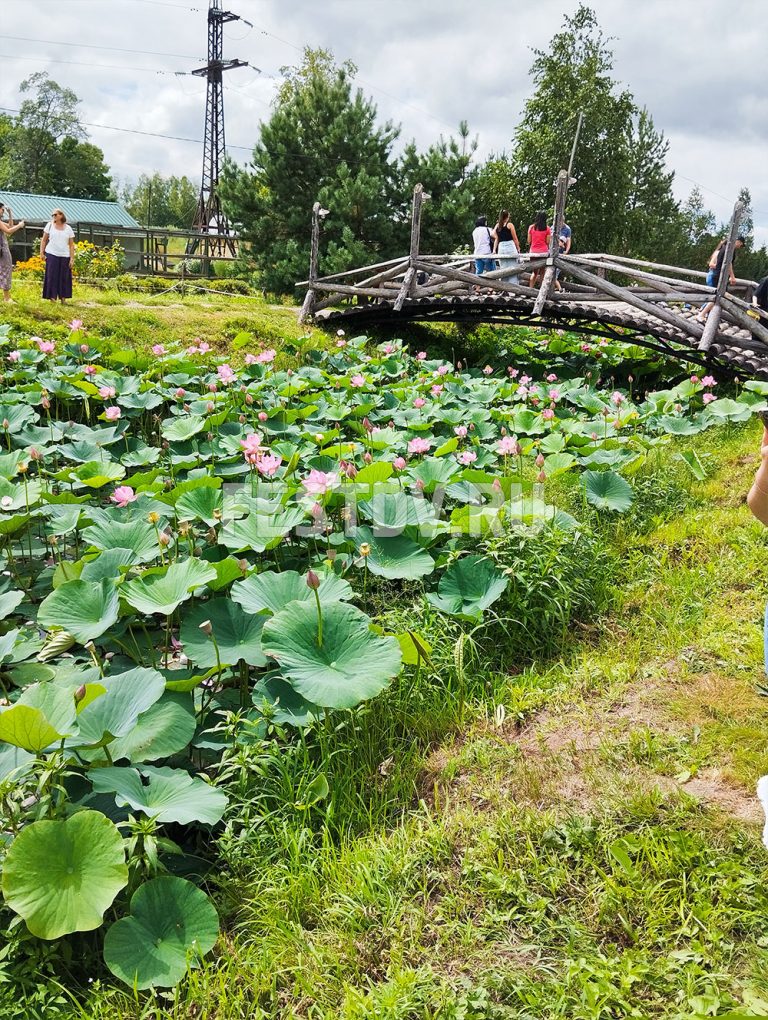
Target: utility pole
[209, 217]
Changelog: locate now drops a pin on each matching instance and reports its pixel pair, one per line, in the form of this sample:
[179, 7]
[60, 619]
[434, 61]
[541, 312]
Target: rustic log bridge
[629, 300]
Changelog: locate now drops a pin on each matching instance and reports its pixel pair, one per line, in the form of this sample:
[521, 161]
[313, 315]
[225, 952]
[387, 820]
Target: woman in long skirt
[58, 249]
[6, 263]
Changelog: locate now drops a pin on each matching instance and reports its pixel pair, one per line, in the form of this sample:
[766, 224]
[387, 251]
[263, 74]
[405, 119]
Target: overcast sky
[698, 65]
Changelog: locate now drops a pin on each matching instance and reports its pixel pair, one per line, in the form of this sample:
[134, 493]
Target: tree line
[325, 142]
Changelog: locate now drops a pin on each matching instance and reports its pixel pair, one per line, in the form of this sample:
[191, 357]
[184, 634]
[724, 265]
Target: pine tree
[321, 143]
[653, 224]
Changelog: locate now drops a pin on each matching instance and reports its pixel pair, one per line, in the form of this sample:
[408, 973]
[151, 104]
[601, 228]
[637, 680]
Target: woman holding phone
[6, 263]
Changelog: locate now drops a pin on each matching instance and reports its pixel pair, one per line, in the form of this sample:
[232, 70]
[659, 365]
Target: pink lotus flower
[204, 347]
[460, 431]
[399, 463]
[191, 350]
[75, 324]
[507, 446]
[522, 391]
[14, 355]
[418, 445]
[421, 356]
[419, 402]
[250, 359]
[357, 381]
[524, 380]
[319, 482]
[45, 346]
[112, 413]
[123, 495]
[269, 464]
[487, 370]
[513, 372]
[467, 457]
[180, 393]
[83, 348]
[547, 414]
[158, 350]
[388, 348]
[265, 357]
[709, 380]
[341, 343]
[694, 378]
[617, 398]
[252, 448]
[586, 348]
[106, 392]
[90, 370]
[226, 374]
[551, 377]
[436, 390]
[263, 415]
[443, 370]
[708, 398]
[554, 394]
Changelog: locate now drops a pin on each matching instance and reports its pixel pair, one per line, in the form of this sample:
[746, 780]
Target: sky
[699, 66]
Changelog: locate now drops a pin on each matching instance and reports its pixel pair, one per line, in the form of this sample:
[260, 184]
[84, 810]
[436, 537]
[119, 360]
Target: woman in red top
[539, 235]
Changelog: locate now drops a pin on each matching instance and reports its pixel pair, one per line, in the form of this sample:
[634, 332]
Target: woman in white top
[58, 250]
[483, 241]
[6, 263]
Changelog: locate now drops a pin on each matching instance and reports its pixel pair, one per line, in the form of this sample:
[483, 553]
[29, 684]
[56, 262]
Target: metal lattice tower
[210, 218]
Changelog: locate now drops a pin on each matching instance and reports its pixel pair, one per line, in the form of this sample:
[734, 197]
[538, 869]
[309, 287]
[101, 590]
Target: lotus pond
[196, 554]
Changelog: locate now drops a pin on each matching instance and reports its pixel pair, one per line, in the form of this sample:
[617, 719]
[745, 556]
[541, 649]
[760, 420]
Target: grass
[570, 837]
[141, 320]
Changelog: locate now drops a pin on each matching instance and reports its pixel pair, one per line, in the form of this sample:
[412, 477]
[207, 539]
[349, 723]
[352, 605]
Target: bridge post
[715, 313]
[549, 276]
[409, 281]
[310, 299]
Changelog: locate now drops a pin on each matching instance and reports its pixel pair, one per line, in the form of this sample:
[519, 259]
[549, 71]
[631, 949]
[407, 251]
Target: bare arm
[44, 243]
[71, 253]
[514, 235]
[757, 499]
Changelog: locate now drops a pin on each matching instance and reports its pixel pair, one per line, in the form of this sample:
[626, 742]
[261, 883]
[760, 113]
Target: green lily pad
[396, 557]
[168, 795]
[272, 591]
[162, 590]
[469, 586]
[607, 491]
[61, 876]
[237, 634]
[116, 712]
[164, 729]
[274, 697]
[84, 609]
[138, 536]
[260, 532]
[351, 665]
[172, 924]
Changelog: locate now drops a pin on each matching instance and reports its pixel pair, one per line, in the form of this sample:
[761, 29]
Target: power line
[84, 63]
[93, 46]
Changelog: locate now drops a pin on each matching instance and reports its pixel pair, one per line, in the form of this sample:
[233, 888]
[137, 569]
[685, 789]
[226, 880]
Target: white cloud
[698, 69]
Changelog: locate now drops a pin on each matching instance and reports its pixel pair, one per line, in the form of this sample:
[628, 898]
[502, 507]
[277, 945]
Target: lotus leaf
[116, 712]
[350, 665]
[607, 491]
[396, 557]
[161, 591]
[84, 609]
[237, 635]
[469, 586]
[271, 591]
[61, 876]
[168, 795]
[172, 924]
[164, 729]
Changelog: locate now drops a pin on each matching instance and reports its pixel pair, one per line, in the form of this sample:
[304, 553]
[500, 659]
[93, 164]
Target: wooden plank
[733, 313]
[477, 281]
[308, 305]
[549, 276]
[659, 265]
[356, 272]
[730, 249]
[405, 289]
[625, 295]
[637, 274]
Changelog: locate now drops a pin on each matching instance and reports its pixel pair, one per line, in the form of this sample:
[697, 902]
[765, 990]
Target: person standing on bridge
[760, 297]
[739, 243]
[539, 234]
[483, 242]
[506, 243]
[564, 239]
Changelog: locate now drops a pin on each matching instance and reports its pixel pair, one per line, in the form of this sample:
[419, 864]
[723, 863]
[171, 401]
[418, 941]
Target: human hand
[71, 263]
[764, 444]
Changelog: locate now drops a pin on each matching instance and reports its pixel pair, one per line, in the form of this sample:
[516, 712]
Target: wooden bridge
[628, 300]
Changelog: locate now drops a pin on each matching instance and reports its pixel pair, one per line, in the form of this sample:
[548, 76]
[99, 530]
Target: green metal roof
[38, 208]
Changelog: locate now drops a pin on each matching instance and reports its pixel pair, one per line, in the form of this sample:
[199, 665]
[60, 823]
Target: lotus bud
[503, 430]
[242, 419]
[153, 517]
[350, 470]
[35, 454]
[496, 485]
[289, 371]
[211, 535]
[367, 425]
[83, 348]
[6, 424]
[367, 458]
[210, 407]
[249, 399]
[540, 460]
[365, 549]
[243, 388]
[420, 484]
[209, 436]
[399, 463]
[518, 450]
[217, 514]
[167, 484]
[187, 408]
[318, 437]
[181, 392]
[212, 387]
[263, 415]
[165, 445]
[313, 581]
[22, 469]
[80, 692]
[471, 426]
[459, 366]
[164, 538]
[630, 378]
[206, 628]
[317, 511]
[541, 477]
[244, 566]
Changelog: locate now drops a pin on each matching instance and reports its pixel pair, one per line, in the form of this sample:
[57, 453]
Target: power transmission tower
[210, 218]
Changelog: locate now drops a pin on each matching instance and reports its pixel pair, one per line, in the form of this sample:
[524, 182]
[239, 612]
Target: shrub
[32, 268]
[101, 263]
